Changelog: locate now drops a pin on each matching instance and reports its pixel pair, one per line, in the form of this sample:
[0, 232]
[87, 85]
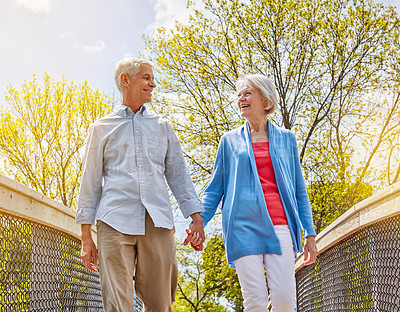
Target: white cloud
[98, 46]
[37, 6]
[167, 12]
[45, 23]
[67, 34]
[128, 54]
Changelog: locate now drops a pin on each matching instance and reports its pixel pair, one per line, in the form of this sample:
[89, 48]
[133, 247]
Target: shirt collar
[126, 111]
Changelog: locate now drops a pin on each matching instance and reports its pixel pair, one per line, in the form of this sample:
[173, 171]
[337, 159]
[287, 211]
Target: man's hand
[88, 250]
[310, 250]
[195, 233]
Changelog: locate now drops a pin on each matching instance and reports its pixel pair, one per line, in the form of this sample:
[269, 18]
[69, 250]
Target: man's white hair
[129, 66]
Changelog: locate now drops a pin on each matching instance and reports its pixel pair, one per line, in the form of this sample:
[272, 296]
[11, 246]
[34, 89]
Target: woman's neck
[259, 130]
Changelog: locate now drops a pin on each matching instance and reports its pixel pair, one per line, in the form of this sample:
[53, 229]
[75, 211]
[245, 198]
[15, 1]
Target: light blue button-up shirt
[128, 158]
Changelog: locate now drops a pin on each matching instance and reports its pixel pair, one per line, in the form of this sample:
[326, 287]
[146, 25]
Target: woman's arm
[305, 212]
[303, 202]
[215, 190]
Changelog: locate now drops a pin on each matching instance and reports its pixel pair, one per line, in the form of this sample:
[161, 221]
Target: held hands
[194, 238]
[310, 250]
[195, 233]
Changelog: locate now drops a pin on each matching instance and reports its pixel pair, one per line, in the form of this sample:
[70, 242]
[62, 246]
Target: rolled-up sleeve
[178, 178]
[91, 181]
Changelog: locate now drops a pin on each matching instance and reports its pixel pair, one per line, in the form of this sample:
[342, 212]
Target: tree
[330, 199]
[328, 60]
[336, 68]
[219, 277]
[193, 293]
[42, 132]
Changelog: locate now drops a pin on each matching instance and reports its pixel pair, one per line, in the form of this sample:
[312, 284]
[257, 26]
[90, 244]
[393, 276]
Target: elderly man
[129, 155]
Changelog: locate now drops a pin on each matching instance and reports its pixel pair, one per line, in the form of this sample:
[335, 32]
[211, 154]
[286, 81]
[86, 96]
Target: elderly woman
[265, 205]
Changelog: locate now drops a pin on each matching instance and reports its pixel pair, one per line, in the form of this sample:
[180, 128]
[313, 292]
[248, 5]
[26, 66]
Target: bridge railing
[40, 265]
[358, 268]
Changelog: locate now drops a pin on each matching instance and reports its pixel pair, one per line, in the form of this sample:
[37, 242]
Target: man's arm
[178, 177]
[88, 249]
[182, 187]
[89, 194]
[91, 181]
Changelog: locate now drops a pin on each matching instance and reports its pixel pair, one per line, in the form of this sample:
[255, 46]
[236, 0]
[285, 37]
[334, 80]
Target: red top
[268, 183]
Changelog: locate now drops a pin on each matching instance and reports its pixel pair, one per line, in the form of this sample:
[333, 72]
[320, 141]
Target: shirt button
[142, 181]
[137, 132]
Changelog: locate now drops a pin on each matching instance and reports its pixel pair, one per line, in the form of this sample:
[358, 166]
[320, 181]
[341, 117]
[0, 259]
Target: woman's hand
[195, 233]
[310, 250]
[194, 237]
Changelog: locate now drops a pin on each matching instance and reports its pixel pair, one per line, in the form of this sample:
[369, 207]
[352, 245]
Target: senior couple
[131, 153]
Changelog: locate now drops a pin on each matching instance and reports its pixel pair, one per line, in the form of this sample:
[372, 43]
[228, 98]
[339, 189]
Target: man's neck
[135, 107]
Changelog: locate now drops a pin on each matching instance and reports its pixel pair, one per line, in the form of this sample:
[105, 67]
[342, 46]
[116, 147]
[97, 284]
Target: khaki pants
[149, 259]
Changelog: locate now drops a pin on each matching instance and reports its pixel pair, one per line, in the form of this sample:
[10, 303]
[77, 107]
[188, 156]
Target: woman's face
[251, 103]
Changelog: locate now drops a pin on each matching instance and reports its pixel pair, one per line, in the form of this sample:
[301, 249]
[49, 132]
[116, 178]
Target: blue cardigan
[246, 224]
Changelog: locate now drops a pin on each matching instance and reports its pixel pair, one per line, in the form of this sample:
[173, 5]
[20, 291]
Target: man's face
[141, 85]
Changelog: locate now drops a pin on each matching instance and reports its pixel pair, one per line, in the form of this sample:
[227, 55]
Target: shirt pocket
[156, 148]
[153, 141]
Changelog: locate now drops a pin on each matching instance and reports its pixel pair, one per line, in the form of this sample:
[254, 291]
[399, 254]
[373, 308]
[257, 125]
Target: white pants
[280, 275]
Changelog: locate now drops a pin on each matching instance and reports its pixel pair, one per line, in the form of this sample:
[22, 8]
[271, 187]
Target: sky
[80, 39]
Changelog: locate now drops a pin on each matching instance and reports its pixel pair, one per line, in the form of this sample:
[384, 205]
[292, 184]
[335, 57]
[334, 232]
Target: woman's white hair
[264, 85]
[129, 66]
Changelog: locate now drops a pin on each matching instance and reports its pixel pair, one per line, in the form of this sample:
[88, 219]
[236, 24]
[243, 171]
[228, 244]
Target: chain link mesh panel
[359, 274]
[41, 270]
